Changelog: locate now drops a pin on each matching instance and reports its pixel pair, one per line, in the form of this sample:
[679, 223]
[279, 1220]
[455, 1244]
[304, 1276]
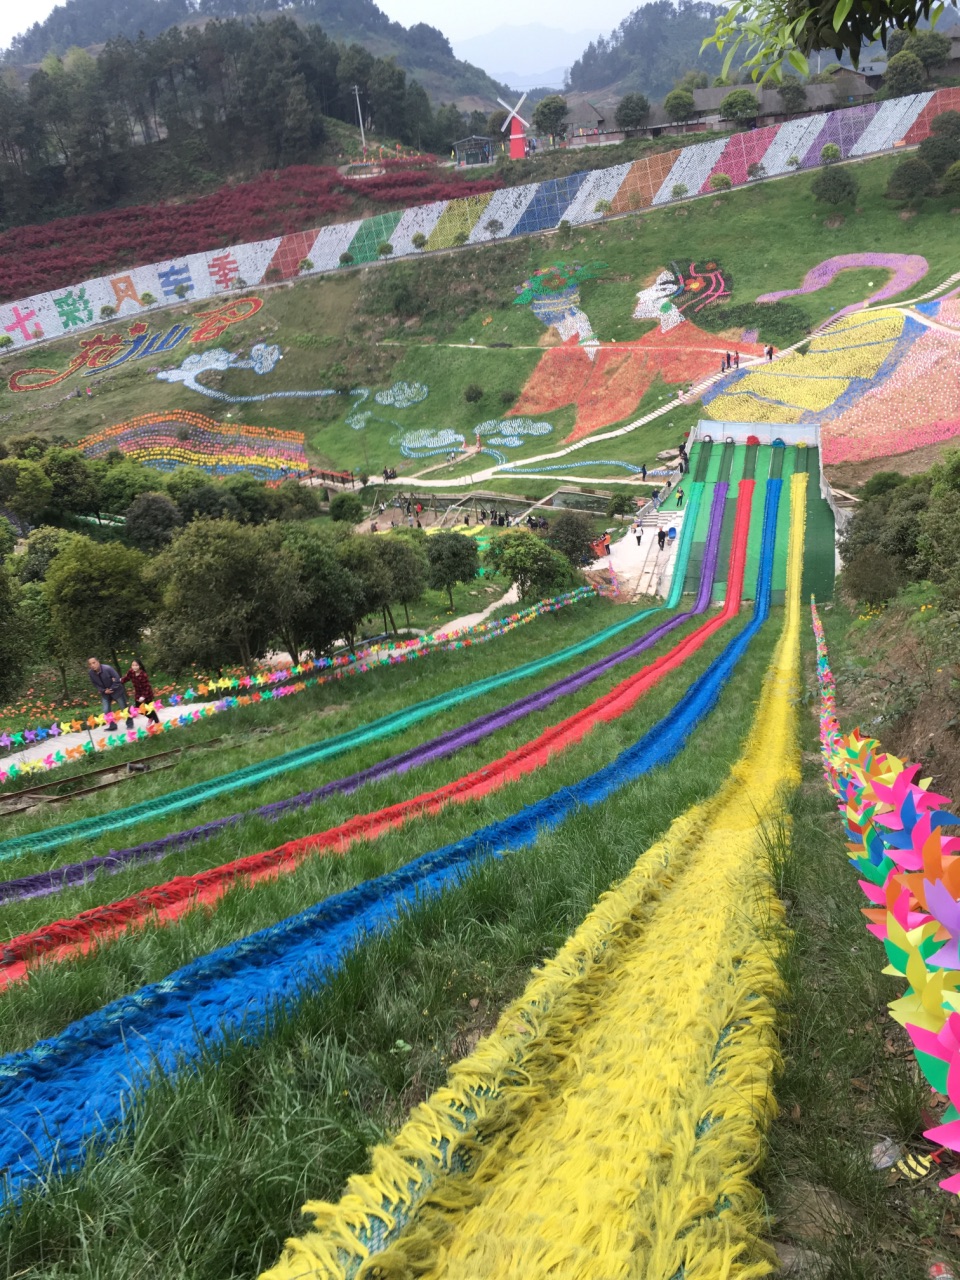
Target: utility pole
[363, 140]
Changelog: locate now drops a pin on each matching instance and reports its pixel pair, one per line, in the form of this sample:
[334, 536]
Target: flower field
[179, 438]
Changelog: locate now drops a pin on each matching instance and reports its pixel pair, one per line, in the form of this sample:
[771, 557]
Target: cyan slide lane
[73, 1089]
[89, 828]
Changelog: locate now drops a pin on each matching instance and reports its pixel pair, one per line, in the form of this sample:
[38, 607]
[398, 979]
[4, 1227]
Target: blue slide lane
[73, 1089]
[89, 828]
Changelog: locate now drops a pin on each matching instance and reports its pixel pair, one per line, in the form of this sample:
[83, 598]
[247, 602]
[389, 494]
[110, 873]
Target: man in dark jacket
[108, 684]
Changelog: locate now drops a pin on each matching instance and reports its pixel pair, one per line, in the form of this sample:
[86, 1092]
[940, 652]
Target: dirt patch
[850, 475]
[907, 214]
[834, 221]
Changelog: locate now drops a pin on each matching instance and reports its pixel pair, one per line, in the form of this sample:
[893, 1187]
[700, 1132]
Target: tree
[720, 182]
[830, 153]
[572, 535]
[452, 558]
[835, 186]
[407, 566]
[931, 47]
[549, 115]
[331, 601]
[197, 495]
[99, 601]
[691, 80]
[346, 508]
[679, 105]
[740, 105]
[632, 111]
[951, 180]
[25, 488]
[911, 180]
[221, 587]
[74, 483]
[8, 538]
[947, 122]
[152, 520]
[621, 504]
[43, 545]
[39, 640]
[904, 74]
[528, 562]
[11, 636]
[939, 151]
[793, 95]
[678, 190]
[361, 555]
[495, 122]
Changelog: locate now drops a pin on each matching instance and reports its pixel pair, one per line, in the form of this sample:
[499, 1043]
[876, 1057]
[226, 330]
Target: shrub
[678, 190]
[384, 249]
[951, 180]
[946, 124]
[419, 241]
[720, 182]
[793, 162]
[182, 290]
[830, 153]
[305, 264]
[473, 393]
[346, 259]
[835, 186]
[148, 299]
[5, 341]
[939, 152]
[346, 508]
[911, 180]
[756, 170]
[107, 313]
[460, 238]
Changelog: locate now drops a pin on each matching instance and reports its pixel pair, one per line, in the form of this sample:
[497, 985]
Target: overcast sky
[458, 21]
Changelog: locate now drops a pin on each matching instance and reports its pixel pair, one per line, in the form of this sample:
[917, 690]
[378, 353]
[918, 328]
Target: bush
[720, 182]
[951, 180]
[148, 299]
[473, 393]
[107, 313]
[572, 535]
[835, 186]
[939, 152]
[305, 264]
[756, 170]
[904, 74]
[346, 259]
[419, 241]
[946, 124]
[346, 508]
[678, 190]
[830, 153]
[5, 341]
[911, 180]
[460, 239]
[384, 249]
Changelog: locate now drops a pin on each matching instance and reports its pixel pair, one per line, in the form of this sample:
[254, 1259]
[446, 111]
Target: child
[142, 689]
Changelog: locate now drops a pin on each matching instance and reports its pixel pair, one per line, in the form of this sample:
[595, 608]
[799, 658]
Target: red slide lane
[167, 902]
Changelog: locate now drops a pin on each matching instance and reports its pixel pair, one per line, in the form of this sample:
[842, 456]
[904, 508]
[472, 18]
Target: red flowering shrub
[34, 259]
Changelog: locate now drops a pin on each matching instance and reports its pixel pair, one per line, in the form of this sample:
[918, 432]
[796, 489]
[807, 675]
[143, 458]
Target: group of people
[389, 473]
[729, 362]
[110, 685]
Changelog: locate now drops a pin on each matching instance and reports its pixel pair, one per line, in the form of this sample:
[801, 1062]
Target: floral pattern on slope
[181, 439]
[263, 359]
[553, 294]
[908, 269]
[491, 436]
[607, 383]
[917, 404]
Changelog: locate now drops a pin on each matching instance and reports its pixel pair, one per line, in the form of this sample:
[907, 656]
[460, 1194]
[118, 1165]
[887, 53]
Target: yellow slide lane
[609, 1126]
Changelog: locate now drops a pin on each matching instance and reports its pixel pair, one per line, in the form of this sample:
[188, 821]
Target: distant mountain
[650, 50]
[538, 54]
[422, 51]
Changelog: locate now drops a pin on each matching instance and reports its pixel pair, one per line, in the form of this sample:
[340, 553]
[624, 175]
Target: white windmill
[518, 147]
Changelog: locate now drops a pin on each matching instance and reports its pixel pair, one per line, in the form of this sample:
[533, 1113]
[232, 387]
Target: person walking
[142, 688]
[638, 532]
[643, 471]
[661, 538]
[736, 359]
[769, 354]
[728, 359]
[106, 680]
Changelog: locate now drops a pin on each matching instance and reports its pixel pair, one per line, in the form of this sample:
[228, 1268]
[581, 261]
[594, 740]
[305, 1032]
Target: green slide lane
[783, 527]
[819, 560]
[763, 459]
[700, 461]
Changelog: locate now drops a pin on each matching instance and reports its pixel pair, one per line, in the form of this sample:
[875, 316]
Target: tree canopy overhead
[770, 36]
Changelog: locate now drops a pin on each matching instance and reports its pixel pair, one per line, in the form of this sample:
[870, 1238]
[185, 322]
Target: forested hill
[422, 51]
[650, 50]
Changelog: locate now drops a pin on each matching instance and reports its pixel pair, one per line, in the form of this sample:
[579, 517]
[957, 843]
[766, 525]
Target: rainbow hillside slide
[608, 1127]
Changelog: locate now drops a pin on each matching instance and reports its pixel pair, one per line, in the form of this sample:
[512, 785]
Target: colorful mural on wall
[606, 382]
[476, 219]
[177, 438]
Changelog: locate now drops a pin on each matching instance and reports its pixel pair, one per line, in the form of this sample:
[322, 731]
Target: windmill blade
[506, 105]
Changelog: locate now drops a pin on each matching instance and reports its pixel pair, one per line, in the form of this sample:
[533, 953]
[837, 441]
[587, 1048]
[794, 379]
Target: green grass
[207, 1177]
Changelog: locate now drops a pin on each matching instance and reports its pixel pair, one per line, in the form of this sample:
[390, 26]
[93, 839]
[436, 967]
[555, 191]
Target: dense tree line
[221, 572]
[156, 113]
[904, 530]
[650, 49]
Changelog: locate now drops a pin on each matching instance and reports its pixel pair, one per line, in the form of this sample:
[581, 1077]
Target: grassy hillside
[448, 322]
